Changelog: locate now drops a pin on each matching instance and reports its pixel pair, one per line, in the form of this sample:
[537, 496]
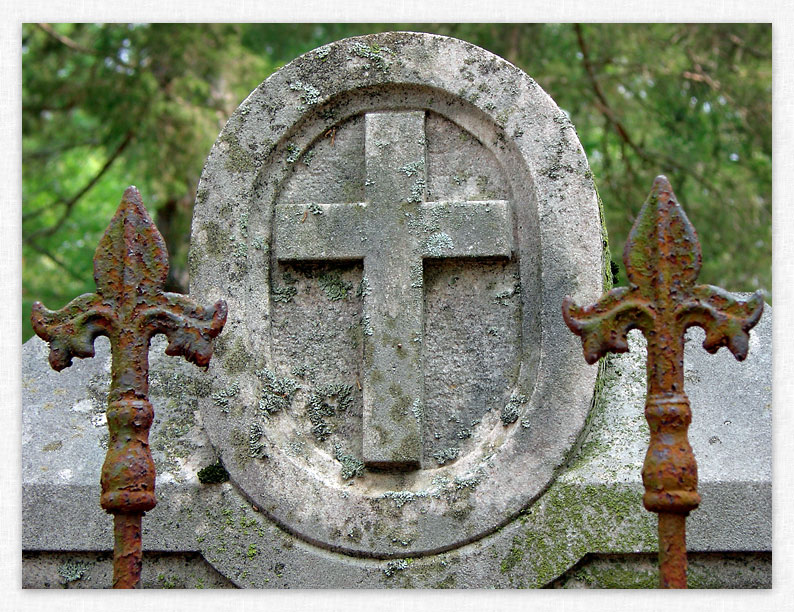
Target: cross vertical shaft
[129, 307]
[393, 366]
[662, 260]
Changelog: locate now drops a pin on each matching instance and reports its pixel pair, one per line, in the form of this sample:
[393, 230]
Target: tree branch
[75, 46]
[69, 204]
[42, 251]
[64, 40]
[603, 106]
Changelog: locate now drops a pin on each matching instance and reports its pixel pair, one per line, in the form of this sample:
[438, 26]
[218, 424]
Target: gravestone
[394, 221]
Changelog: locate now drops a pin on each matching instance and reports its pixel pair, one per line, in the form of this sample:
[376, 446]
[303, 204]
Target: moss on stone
[213, 474]
[571, 520]
[237, 359]
[514, 555]
[237, 159]
[217, 239]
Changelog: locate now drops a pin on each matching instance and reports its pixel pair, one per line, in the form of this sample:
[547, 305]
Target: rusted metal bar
[129, 307]
[662, 259]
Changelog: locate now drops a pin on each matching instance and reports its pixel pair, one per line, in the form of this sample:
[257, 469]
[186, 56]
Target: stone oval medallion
[393, 221]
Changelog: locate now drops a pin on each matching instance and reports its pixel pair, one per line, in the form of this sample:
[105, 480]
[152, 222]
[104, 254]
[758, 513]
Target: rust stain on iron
[662, 259]
[129, 307]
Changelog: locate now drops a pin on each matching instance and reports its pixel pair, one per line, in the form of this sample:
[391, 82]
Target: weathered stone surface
[394, 221]
[394, 252]
[594, 507]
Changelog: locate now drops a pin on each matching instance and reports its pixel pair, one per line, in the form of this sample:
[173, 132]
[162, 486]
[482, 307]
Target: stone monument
[395, 400]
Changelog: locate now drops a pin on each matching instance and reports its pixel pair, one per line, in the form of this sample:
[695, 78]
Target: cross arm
[726, 319]
[603, 326]
[190, 328]
[467, 229]
[71, 331]
[320, 231]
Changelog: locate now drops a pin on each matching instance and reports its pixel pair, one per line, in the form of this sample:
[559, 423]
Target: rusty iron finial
[129, 307]
[662, 259]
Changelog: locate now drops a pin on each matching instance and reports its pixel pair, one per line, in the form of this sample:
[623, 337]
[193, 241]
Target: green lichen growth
[335, 288]
[301, 371]
[240, 252]
[363, 288]
[484, 193]
[213, 474]
[293, 153]
[417, 191]
[512, 409]
[217, 239]
[446, 455]
[256, 445]
[392, 567]
[437, 243]
[414, 168]
[310, 95]
[460, 179]
[277, 392]
[326, 401]
[573, 519]
[352, 467]
[237, 359]
[606, 254]
[222, 397]
[502, 117]
[52, 446]
[617, 574]
[252, 551]
[416, 409]
[71, 571]
[374, 53]
[504, 296]
[400, 498]
[446, 583]
[283, 294]
[173, 439]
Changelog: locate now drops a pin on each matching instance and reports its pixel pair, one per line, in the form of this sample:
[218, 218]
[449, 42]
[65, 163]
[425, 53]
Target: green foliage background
[109, 105]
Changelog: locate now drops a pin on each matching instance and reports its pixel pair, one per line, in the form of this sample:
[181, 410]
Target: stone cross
[388, 233]
[129, 307]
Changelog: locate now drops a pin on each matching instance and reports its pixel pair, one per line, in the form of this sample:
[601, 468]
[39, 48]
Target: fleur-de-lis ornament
[662, 260]
[129, 307]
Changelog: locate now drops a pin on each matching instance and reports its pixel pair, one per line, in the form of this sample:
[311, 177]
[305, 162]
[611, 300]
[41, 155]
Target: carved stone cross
[393, 232]
[129, 307]
[662, 259]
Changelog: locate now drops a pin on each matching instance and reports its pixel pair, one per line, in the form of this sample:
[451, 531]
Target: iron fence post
[662, 259]
[129, 307]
